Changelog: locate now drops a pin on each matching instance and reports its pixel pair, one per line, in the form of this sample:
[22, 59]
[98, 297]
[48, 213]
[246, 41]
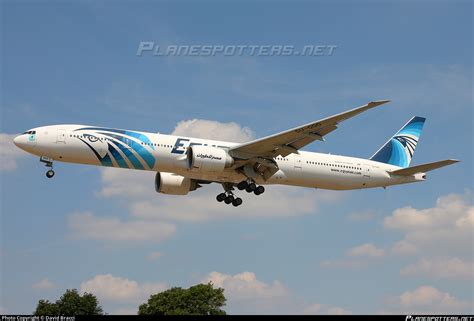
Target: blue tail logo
[400, 148]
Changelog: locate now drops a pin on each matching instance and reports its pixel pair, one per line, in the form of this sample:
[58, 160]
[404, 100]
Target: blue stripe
[106, 161]
[146, 155]
[135, 162]
[136, 135]
[118, 157]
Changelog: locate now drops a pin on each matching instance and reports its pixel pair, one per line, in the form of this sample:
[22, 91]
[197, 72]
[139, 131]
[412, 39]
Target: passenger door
[61, 137]
[298, 165]
[365, 175]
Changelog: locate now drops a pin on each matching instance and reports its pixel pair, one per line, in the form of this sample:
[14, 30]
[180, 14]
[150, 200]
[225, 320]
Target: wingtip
[380, 102]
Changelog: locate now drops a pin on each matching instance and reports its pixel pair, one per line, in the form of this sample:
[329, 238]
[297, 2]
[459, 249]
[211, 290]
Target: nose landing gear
[48, 163]
[50, 173]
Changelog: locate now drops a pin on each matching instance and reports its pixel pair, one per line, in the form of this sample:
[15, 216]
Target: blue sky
[405, 249]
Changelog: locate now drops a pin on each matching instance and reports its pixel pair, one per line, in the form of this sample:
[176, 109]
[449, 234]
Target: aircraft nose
[20, 141]
[17, 140]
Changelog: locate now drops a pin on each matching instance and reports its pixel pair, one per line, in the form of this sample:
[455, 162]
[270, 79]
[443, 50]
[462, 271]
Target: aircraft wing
[290, 141]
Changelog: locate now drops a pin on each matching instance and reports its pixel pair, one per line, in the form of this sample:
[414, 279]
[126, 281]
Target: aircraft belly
[324, 178]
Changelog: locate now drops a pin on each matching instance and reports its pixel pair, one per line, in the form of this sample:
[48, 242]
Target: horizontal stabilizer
[423, 168]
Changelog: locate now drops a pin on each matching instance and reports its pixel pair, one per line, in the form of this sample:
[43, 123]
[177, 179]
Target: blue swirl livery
[400, 148]
[120, 146]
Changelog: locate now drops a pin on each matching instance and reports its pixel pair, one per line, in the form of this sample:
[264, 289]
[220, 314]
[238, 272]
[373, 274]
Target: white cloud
[138, 183]
[277, 201]
[404, 248]
[153, 256]
[246, 286]
[444, 229]
[244, 292]
[428, 300]
[9, 153]
[43, 284]
[367, 250]
[466, 221]
[450, 211]
[248, 295]
[87, 226]
[199, 205]
[446, 268]
[356, 257]
[231, 132]
[325, 309]
[117, 289]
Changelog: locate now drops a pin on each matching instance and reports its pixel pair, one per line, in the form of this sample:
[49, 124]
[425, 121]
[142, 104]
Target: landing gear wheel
[251, 187]
[50, 173]
[229, 199]
[221, 197]
[237, 202]
[242, 185]
[259, 190]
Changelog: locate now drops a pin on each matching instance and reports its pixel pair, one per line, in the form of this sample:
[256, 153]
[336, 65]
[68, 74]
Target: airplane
[184, 164]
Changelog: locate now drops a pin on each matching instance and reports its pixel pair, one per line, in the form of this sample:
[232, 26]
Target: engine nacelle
[168, 183]
[208, 159]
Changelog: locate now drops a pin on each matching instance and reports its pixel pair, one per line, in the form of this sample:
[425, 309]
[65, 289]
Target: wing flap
[423, 168]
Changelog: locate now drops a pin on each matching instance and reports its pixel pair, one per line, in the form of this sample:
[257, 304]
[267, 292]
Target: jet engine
[168, 183]
[208, 159]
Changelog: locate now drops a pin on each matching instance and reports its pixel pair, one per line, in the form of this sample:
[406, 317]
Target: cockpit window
[30, 132]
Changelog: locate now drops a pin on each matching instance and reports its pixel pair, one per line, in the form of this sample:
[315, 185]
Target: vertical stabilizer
[399, 149]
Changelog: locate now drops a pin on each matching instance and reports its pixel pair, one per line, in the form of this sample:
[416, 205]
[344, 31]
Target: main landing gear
[250, 186]
[48, 163]
[228, 196]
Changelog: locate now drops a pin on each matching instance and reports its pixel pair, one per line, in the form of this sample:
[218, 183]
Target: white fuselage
[165, 153]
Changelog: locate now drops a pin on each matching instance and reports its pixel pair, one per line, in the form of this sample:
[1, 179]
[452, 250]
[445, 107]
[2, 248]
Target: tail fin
[399, 149]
